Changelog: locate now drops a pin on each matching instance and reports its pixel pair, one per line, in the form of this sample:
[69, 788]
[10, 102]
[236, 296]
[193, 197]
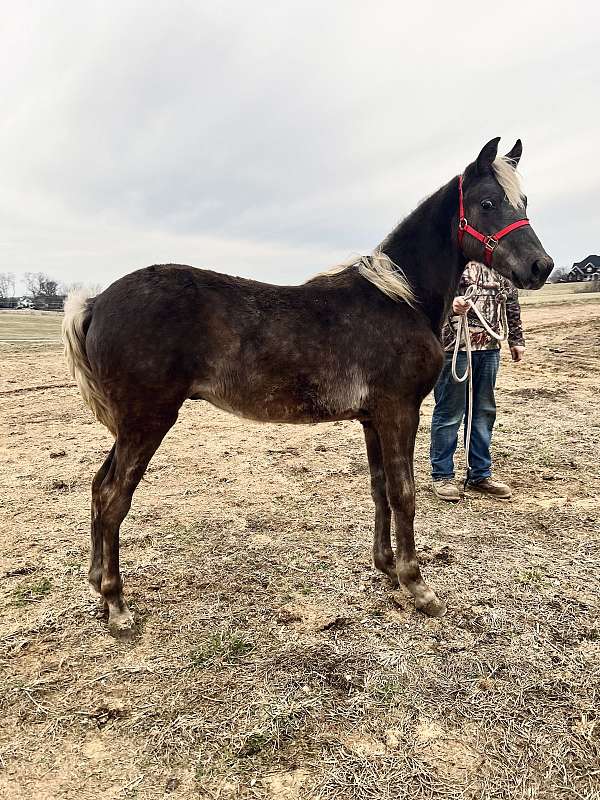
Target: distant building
[49, 302]
[586, 270]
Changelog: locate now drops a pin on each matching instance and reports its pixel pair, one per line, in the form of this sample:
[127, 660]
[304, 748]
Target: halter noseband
[489, 242]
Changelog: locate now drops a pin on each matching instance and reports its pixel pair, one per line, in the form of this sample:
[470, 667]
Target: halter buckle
[490, 243]
[462, 224]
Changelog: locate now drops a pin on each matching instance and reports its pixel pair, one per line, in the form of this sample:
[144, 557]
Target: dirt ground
[272, 660]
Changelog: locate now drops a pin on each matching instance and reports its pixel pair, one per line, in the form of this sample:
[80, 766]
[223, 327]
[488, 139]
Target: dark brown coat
[333, 348]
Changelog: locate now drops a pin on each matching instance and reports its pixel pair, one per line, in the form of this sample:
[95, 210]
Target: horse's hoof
[122, 626]
[434, 608]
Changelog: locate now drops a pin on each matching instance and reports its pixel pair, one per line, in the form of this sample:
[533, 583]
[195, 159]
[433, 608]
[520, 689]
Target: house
[586, 270]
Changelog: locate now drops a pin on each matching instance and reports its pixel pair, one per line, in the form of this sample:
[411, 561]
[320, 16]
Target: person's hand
[460, 305]
[517, 352]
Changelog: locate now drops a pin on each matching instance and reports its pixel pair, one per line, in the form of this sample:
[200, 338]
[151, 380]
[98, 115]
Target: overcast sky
[274, 139]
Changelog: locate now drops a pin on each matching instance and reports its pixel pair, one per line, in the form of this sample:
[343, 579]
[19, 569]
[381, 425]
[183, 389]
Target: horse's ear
[487, 156]
[515, 154]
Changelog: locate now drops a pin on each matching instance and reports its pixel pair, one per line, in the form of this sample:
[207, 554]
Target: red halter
[489, 242]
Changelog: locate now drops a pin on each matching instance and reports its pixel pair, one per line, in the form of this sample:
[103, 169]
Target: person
[451, 397]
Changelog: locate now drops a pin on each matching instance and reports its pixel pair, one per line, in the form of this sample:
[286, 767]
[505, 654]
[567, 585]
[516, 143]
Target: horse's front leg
[383, 555]
[397, 432]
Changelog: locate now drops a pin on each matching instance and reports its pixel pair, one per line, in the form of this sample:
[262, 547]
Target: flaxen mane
[381, 271]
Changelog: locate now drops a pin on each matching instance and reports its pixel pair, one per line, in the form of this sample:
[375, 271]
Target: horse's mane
[388, 277]
[381, 271]
[510, 180]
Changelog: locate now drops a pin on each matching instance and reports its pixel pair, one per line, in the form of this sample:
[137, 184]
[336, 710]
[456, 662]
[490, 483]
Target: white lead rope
[463, 331]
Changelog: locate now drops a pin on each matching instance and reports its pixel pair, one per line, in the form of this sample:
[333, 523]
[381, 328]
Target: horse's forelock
[510, 180]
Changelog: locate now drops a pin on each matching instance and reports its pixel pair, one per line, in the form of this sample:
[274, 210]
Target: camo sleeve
[513, 315]
[469, 277]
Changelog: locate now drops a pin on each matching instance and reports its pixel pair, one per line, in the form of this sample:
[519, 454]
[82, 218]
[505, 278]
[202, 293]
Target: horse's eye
[487, 204]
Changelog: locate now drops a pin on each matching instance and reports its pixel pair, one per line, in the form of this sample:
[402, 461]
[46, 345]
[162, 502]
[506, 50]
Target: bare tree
[39, 283]
[32, 282]
[7, 284]
[558, 273]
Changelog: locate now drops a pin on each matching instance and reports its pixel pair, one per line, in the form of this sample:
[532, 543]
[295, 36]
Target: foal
[359, 342]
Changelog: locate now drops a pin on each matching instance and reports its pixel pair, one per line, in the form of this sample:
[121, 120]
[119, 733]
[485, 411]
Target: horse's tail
[78, 314]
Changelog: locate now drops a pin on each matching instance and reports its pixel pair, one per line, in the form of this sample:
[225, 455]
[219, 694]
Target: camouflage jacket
[490, 286]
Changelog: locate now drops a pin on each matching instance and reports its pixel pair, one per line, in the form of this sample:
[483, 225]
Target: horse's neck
[423, 247]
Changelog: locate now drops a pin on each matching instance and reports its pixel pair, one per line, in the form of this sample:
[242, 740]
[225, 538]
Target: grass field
[271, 661]
[559, 293]
[25, 325]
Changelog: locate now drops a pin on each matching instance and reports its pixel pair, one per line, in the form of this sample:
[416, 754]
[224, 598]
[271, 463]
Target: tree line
[39, 283]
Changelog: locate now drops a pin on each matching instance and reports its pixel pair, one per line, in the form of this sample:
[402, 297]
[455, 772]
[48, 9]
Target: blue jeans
[450, 408]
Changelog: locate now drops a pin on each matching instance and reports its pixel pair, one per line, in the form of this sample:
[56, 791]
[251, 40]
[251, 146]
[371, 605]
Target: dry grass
[553, 294]
[271, 660]
[588, 287]
[25, 325]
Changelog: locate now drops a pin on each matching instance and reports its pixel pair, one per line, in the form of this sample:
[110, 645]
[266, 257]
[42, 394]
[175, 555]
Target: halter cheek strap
[489, 242]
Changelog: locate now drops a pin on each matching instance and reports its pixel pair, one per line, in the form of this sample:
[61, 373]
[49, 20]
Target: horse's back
[277, 353]
[166, 308]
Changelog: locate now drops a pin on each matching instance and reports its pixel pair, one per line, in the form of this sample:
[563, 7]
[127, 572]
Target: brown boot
[497, 489]
[447, 490]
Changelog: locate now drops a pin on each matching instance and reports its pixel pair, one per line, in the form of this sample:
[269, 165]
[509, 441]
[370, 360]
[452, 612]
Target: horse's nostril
[542, 267]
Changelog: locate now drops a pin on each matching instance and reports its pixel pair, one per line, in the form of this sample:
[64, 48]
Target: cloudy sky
[273, 139]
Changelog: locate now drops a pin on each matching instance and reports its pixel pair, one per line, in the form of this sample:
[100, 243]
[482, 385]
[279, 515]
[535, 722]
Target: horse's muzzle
[538, 274]
[541, 269]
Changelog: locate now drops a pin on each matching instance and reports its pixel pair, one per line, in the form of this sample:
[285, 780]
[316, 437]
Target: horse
[357, 342]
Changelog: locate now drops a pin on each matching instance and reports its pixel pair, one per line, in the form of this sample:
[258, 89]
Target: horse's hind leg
[95, 571]
[383, 555]
[134, 448]
[397, 431]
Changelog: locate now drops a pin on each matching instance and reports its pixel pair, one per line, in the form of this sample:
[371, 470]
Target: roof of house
[594, 260]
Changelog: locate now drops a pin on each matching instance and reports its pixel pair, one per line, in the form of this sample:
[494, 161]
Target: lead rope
[463, 331]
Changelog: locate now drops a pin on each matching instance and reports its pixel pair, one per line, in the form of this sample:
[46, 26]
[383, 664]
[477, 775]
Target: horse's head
[493, 202]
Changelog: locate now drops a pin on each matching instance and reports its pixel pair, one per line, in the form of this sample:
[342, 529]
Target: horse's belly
[294, 403]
